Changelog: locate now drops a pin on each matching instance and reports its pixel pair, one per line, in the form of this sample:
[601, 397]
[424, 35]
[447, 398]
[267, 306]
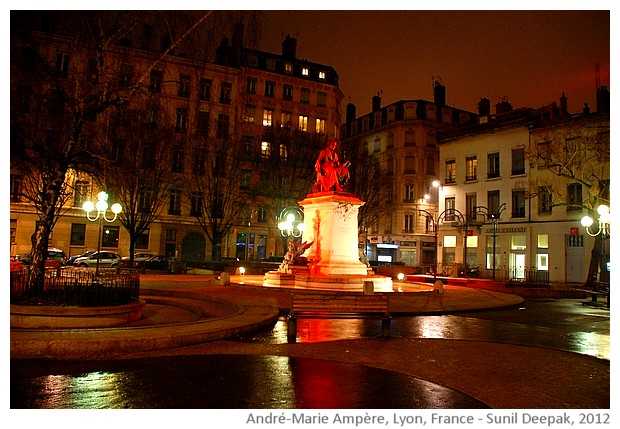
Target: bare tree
[137, 169]
[63, 77]
[571, 161]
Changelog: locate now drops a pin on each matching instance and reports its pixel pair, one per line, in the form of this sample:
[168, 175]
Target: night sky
[528, 57]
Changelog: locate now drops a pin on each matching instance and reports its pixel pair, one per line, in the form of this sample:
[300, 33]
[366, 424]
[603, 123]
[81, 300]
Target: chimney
[351, 112]
[563, 103]
[603, 103]
[289, 47]
[238, 34]
[484, 107]
[439, 92]
[376, 102]
[503, 107]
[586, 109]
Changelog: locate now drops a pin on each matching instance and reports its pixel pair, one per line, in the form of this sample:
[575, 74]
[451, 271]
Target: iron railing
[77, 286]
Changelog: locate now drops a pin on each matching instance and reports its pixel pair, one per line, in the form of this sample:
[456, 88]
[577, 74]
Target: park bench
[600, 289]
[325, 305]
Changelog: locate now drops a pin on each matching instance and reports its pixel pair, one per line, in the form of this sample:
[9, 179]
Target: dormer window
[288, 68]
[305, 71]
[322, 75]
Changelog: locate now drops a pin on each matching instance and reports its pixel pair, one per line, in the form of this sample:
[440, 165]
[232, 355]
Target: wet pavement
[224, 382]
[205, 377]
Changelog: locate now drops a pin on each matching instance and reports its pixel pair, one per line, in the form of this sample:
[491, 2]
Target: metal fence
[77, 286]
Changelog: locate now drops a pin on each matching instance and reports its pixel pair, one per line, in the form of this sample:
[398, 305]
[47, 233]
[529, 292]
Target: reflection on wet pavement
[559, 324]
[231, 381]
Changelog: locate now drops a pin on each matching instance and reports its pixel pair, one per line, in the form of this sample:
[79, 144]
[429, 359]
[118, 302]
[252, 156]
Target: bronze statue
[330, 174]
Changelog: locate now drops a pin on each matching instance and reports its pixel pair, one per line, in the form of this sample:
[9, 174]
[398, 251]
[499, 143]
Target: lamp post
[291, 222]
[101, 207]
[434, 222]
[494, 217]
[603, 230]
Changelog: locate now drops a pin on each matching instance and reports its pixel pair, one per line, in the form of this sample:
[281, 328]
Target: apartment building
[403, 137]
[240, 99]
[505, 209]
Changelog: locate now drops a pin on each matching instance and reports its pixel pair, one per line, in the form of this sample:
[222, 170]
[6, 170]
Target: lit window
[472, 241]
[267, 117]
[288, 68]
[303, 123]
[305, 71]
[449, 241]
[265, 149]
[322, 75]
[543, 241]
[286, 120]
[320, 126]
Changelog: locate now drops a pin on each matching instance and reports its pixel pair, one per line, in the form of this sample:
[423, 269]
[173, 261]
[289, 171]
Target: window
[142, 240]
[288, 68]
[409, 193]
[471, 166]
[304, 96]
[321, 99]
[320, 126]
[267, 117]
[518, 204]
[196, 204]
[177, 158]
[78, 234]
[493, 165]
[391, 114]
[145, 200]
[262, 215]
[390, 141]
[249, 114]
[271, 64]
[430, 165]
[377, 147]
[174, 206]
[265, 149]
[225, 91]
[409, 138]
[322, 75]
[204, 93]
[247, 147]
[409, 223]
[286, 119]
[184, 85]
[13, 230]
[450, 204]
[410, 110]
[543, 241]
[303, 123]
[157, 77]
[544, 199]
[171, 234]
[283, 151]
[251, 85]
[450, 171]
[409, 164]
[80, 194]
[390, 166]
[574, 197]
[245, 180]
[200, 159]
[270, 88]
[110, 235]
[287, 92]
[471, 203]
[202, 127]
[16, 182]
[125, 75]
[62, 64]
[222, 126]
[493, 203]
[181, 120]
[305, 71]
[518, 161]
[544, 154]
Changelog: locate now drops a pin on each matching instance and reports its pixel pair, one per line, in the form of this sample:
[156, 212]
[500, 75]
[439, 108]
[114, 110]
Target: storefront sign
[506, 230]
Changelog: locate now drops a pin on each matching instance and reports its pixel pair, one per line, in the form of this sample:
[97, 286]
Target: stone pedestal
[331, 224]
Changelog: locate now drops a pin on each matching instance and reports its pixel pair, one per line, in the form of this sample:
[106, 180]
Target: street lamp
[494, 217]
[291, 223]
[603, 230]
[434, 222]
[101, 206]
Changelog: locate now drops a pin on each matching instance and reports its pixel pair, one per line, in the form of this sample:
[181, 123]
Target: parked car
[139, 257]
[53, 254]
[72, 259]
[159, 262]
[106, 259]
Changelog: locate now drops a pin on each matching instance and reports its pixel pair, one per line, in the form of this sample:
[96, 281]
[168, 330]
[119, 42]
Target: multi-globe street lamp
[101, 208]
[494, 217]
[603, 230]
[291, 222]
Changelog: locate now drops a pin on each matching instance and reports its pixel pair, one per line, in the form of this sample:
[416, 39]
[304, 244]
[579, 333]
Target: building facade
[403, 137]
[242, 98]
